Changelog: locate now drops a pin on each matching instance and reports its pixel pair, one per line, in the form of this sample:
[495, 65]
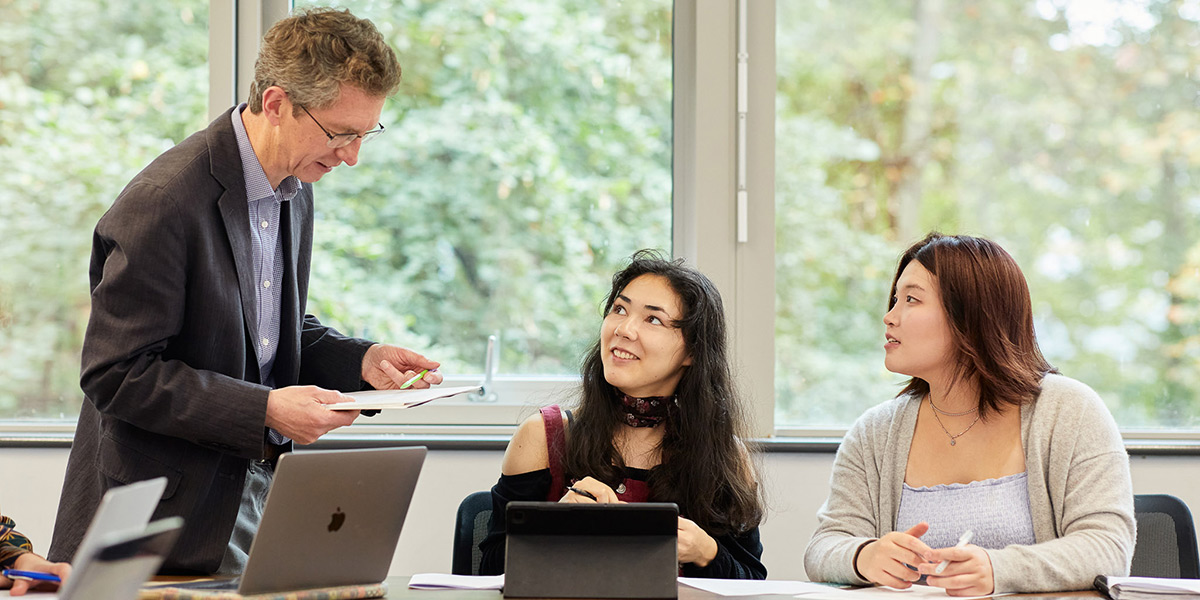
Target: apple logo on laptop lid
[337, 519]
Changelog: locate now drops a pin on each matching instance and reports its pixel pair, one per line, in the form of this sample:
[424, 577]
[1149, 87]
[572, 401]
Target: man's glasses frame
[341, 140]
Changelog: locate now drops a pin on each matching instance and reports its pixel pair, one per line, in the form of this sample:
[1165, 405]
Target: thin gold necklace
[952, 436]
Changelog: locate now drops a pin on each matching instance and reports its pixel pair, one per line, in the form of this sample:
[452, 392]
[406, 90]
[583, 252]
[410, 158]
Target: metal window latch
[487, 392]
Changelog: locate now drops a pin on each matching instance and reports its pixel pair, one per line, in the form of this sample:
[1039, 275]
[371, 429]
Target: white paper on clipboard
[380, 399]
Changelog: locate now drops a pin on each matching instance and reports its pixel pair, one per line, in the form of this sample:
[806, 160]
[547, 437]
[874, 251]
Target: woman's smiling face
[642, 350]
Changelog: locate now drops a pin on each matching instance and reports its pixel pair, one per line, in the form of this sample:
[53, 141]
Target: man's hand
[299, 412]
[388, 367]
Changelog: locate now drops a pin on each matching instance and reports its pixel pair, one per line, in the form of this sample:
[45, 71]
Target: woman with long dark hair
[657, 419]
[986, 437]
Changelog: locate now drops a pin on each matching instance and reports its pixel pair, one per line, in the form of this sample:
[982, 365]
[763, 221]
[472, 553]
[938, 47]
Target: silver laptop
[564, 550]
[120, 562]
[123, 512]
[125, 509]
[332, 518]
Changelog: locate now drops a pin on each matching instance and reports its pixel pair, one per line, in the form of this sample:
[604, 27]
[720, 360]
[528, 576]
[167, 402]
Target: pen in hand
[34, 576]
[406, 384]
[962, 541]
[584, 493]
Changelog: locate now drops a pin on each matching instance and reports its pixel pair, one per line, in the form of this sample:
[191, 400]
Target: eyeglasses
[341, 140]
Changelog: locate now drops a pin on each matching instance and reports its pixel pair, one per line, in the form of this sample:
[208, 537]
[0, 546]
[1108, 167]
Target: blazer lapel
[226, 163]
[236, 215]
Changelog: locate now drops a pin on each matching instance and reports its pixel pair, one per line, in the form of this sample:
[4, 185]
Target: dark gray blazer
[169, 372]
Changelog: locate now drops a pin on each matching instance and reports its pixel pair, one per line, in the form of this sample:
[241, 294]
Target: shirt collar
[257, 184]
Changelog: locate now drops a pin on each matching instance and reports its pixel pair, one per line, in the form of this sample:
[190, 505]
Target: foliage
[1065, 130]
[84, 105]
[528, 154]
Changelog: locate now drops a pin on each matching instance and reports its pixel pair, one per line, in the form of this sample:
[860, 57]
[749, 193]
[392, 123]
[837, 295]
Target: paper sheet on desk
[32, 594]
[884, 593]
[754, 587]
[377, 399]
[442, 581]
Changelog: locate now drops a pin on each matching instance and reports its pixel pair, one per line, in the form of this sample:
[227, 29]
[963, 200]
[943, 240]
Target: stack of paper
[442, 581]
[1149, 588]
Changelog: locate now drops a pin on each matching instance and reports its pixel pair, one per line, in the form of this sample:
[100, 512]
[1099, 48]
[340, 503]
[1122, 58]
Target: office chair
[470, 527]
[1166, 538]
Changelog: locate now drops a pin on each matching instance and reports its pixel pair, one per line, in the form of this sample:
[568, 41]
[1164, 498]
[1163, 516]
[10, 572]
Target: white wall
[796, 484]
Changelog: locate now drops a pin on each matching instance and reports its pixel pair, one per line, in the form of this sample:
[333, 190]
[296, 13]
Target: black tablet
[565, 550]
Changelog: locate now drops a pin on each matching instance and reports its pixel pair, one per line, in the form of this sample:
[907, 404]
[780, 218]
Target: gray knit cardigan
[1080, 493]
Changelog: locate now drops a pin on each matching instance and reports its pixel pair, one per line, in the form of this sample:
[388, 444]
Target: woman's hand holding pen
[590, 491]
[969, 572]
[885, 561]
[32, 562]
[695, 545]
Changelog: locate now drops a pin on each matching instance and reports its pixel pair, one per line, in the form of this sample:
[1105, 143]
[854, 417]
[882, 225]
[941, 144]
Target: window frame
[704, 212]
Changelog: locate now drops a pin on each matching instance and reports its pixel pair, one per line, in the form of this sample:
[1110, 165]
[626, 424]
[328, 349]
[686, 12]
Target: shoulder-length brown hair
[987, 305]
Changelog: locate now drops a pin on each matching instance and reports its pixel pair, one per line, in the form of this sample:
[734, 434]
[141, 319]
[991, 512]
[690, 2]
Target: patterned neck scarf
[645, 412]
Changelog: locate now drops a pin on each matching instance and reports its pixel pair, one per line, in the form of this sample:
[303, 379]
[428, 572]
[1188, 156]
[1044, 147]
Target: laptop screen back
[124, 509]
[332, 518]
[563, 550]
[120, 563]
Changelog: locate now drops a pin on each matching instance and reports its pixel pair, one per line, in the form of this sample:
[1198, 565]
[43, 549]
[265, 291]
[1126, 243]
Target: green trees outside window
[1067, 130]
[527, 154]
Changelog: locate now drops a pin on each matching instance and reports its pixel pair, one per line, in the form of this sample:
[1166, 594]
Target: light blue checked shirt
[266, 247]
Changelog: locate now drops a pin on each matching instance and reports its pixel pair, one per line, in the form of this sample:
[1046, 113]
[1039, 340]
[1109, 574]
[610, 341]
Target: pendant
[952, 442]
[621, 488]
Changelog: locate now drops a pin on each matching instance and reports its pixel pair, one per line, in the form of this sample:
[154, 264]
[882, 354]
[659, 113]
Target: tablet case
[566, 550]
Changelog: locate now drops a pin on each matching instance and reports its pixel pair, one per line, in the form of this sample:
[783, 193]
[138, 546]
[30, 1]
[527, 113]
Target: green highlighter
[414, 379]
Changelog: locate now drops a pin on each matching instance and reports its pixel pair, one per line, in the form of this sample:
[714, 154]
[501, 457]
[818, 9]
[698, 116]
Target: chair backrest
[1166, 538]
[470, 527]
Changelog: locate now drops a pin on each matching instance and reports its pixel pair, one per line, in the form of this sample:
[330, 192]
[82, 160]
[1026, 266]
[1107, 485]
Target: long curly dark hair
[706, 468]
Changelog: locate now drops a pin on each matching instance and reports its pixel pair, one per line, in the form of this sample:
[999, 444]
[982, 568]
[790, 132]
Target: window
[91, 92]
[528, 154]
[1065, 130]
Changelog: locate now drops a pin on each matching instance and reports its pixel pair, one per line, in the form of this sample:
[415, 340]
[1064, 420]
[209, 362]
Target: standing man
[199, 362]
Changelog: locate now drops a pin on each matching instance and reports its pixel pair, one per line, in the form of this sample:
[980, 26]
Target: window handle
[491, 362]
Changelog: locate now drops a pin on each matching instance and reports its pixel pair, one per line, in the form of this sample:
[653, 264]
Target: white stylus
[962, 541]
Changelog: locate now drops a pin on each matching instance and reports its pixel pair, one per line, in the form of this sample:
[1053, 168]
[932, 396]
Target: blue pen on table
[962, 541]
[414, 379]
[31, 575]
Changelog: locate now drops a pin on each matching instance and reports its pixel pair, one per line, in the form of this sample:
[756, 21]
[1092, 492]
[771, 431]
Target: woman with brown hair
[658, 419]
[985, 438]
